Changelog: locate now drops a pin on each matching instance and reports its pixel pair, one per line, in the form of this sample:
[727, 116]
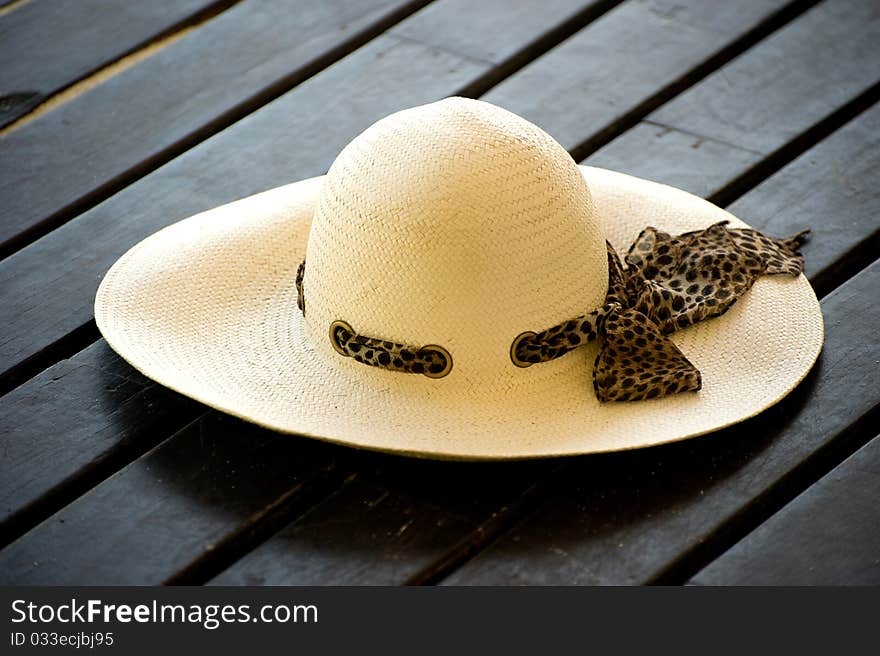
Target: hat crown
[456, 223]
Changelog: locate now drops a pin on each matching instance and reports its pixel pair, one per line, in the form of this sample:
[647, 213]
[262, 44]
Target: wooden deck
[120, 118]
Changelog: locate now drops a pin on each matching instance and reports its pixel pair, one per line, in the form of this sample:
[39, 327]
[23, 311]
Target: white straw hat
[455, 224]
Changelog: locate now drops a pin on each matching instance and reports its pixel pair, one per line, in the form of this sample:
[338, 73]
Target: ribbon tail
[638, 362]
[778, 256]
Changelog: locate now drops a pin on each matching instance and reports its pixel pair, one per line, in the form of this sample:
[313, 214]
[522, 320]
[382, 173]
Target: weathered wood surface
[46, 46]
[228, 503]
[519, 26]
[389, 524]
[833, 189]
[630, 61]
[227, 473]
[756, 104]
[827, 536]
[196, 491]
[72, 426]
[194, 87]
[635, 517]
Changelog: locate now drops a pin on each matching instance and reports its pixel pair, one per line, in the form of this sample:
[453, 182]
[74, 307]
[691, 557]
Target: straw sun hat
[449, 247]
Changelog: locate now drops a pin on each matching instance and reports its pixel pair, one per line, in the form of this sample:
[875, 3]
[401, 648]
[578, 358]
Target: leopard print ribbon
[431, 360]
[669, 283]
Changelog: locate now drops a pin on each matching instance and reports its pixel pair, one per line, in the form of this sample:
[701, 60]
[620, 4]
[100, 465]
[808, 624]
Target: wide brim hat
[457, 224]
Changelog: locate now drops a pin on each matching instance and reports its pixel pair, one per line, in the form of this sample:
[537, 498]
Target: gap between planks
[765, 28]
[287, 508]
[497, 524]
[66, 347]
[534, 50]
[763, 169]
[114, 68]
[100, 76]
[792, 484]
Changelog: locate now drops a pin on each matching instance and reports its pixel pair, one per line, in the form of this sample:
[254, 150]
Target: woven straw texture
[459, 224]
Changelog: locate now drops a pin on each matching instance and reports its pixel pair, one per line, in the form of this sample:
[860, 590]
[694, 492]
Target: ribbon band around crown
[670, 282]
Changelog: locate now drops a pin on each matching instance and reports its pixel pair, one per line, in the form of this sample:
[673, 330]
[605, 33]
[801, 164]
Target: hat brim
[207, 307]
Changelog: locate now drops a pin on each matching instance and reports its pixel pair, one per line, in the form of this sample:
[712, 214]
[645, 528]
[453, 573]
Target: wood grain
[197, 490]
[46, 46]
[832, 188]
[829, 535]
[518, 24]
[632, 517]
[753, 106]
[115, 132]
[635, 55]
[75, 424]
[391, 521]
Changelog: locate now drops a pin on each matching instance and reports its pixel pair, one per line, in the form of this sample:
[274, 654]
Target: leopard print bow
[669, 283]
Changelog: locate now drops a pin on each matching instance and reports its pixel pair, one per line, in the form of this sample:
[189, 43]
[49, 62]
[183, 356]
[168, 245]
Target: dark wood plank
[389, 73]
[802, 73]
[633, 57]
[46, 46]
[631, 517]
[196, 491]
[444, 25]
[392, 520]
[698, 163]
[282, 143]
[190, 89]
[833, 189]
[74, 425]
[829, 535]
[741, 114]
